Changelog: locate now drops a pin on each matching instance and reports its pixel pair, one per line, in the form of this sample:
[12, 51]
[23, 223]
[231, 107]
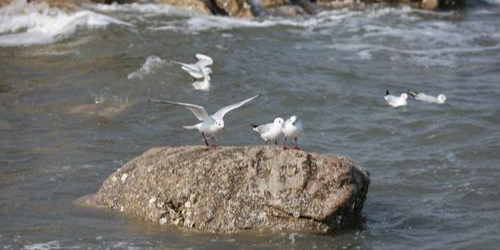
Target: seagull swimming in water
[200, 69]
[440, 99]
[209, 125]
[292, 128]
[270, 131]
[395, 101]
[203, 84]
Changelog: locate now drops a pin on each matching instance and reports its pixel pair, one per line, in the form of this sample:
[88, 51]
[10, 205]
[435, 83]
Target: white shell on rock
[124, 177]
[163, 221]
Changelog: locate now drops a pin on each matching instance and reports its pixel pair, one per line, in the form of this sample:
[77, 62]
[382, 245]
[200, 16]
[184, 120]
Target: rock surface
[251, 8]
[231, 189]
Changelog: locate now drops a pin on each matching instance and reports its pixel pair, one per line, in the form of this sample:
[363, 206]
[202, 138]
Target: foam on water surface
[151, 63]
[144, 8]
[43, 246]
[24, 24]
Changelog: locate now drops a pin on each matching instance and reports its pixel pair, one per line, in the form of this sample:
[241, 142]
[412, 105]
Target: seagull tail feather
[412, 93]
[254, 127]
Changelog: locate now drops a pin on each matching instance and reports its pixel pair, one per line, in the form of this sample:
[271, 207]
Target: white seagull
[200, 69]
[440, 99]
[270, 131]
[292, 128]
[203, 84]
[396, 101]
[209, 125]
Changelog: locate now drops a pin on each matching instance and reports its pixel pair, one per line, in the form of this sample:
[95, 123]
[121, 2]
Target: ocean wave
[323, 21]
[24, 24]
[143, 8]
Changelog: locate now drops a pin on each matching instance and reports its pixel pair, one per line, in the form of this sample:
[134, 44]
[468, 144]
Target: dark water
[72, 110]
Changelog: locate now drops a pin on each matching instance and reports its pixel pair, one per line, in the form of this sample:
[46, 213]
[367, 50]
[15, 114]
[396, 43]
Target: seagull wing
[264, 128]
[203, 60]
[223, 111]
[193, 70]
[426, 98]
[198, 111]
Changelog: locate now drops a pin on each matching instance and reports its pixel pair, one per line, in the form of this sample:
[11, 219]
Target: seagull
[396, 101]
[209, 125]
[200, 69]
[292, 128]
[440, 99]
[203, 84]
[270, 131]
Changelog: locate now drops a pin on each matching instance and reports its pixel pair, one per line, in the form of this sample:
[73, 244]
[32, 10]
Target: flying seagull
[270, 131]
[209, 125]
[200, 69]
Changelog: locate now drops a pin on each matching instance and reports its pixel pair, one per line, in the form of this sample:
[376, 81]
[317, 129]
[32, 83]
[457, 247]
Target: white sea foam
[143, 8]
[24, 24]
[151, 63]
[43, 246]
[200, 23]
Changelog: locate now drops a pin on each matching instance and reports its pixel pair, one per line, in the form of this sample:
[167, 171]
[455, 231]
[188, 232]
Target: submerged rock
[237, 188]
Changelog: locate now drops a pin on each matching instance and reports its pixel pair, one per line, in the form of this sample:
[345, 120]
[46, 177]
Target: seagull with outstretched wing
[200, 69]
[209, 124]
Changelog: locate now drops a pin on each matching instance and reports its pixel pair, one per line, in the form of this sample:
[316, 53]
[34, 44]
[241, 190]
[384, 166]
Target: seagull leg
[276, 142]
[296, 146]
[284, 144]
[213, 142]
[206, 142]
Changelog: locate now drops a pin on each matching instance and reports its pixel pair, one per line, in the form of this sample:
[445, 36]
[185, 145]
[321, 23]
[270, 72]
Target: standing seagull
[440, 99]
[200, 69]
[209, 125]
[292, 128]
[270, 131]
[394, 100]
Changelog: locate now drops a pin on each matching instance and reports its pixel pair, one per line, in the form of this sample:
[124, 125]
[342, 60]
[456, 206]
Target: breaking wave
[151, 63]
[24, 24]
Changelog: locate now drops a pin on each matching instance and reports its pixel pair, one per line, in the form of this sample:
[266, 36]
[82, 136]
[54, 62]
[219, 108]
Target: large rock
[231, 189]
[233, 8]
[197, 6]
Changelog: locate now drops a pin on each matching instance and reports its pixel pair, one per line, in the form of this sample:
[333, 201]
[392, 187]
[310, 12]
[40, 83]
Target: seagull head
[207, 71]
[279, 120]
[292, 119]
[441, 98]
[219, 124]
